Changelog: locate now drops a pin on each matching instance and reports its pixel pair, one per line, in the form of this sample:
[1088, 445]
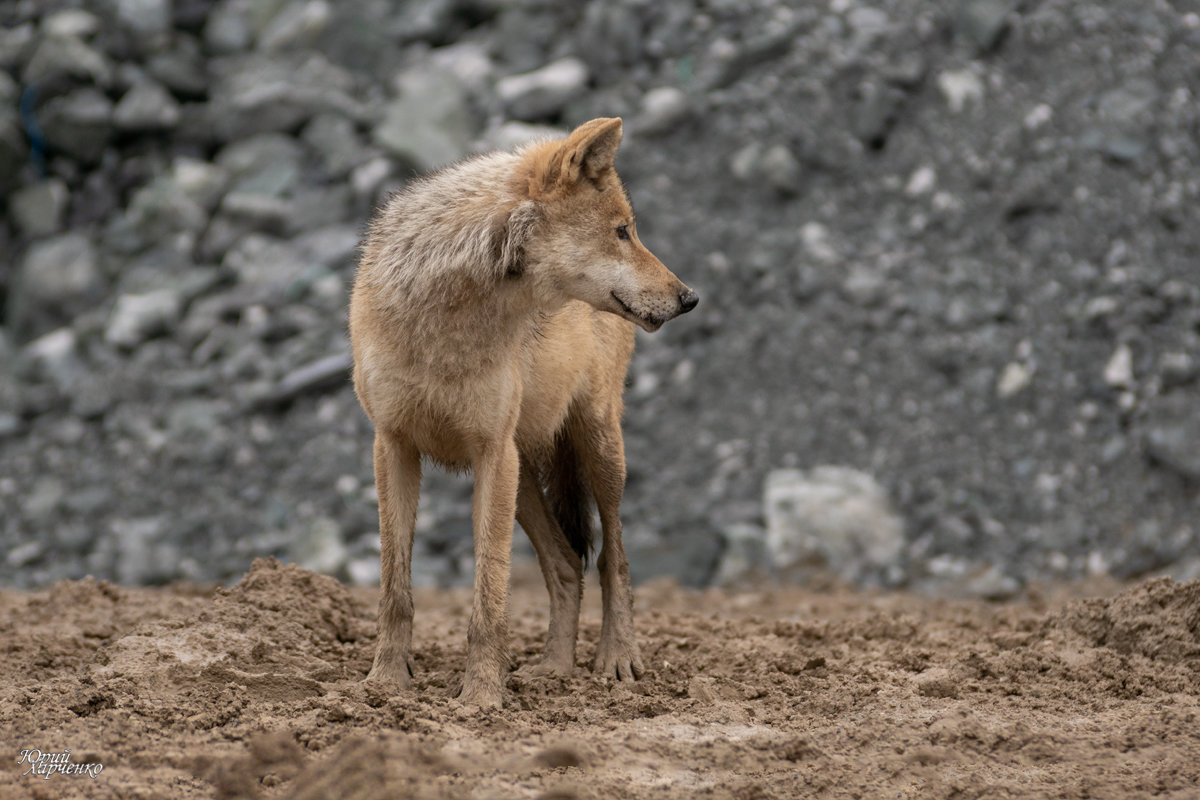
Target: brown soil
[256, 691]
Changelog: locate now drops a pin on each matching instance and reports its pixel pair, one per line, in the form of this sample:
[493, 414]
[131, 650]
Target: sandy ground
[255, 691]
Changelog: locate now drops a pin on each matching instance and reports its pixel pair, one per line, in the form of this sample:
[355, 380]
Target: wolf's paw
[397, 670]
[474, 695]
[618, 658]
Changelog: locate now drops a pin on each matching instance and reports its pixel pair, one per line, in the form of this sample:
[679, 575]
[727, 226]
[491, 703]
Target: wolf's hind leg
[398, 483]
[562, 569]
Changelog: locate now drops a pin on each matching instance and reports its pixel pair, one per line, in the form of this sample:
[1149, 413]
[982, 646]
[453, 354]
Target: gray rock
[196, 419]
[470, 63]
[255, 93]
[773, 165]
[864, 286]
[336, 141]
[1172, 433]
[1014, 379]
[876, 111]
[980, 23]
[37, 210]
[1124, 121]
[257, 211]
[867, 25]
[57, 278]
[138, 317]
[321, 206]
[663, 109]
[298, 24]
[1146, 547]
[1178, 368]
[70, 23]
[332, 247]
[266, 266]
[426, 20]
[512, 135]
[87, 501]
[371, 181]
[268, 163]
[16, 42]
[222, 234]
[141, 552]
[10, 424]
[79, 124]
[1121, 145]
[363, 571]
[228, 28]
[147, 106]
[781, 168]
[58, 60]
[744, 164]
[149, 20]
[430, 570]
[818, 244]
[200, 181]
[726, 61]
[327, 373]
[1118, 372]
[180, 200]
[961, 88]
[55, 355]
[320, 548]
[180, 68]
[429, 124]
[24, 554]
[744, 557]
[44, 499]
[991, 583]
[830, 517]
[691, 556]
[543, 92]
[264, 173]
[620, 26]
[14, 150]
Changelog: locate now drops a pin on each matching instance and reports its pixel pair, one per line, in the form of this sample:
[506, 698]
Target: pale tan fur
[492, 325]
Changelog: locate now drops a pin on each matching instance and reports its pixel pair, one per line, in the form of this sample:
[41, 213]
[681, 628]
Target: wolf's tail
[569, 497]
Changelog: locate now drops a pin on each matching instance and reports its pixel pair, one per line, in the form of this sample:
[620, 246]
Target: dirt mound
[1158, 619]
[275, 634]
[256, 691]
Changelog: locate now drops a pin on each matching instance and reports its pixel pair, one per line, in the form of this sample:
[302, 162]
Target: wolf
[492, 322]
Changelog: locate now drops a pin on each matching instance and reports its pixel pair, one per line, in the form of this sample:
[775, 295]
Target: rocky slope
[947, 245]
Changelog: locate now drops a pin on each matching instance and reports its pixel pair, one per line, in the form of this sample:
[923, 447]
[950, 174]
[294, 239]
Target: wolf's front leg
[398, 484]
[496, 474]
[617, 653]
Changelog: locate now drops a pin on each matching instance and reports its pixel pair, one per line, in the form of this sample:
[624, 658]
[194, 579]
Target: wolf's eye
[623, 232]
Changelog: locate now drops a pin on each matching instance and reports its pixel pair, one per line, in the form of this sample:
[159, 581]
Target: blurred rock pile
[945, 249]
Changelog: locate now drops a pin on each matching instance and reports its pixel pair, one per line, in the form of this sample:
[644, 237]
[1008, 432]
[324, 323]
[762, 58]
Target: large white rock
[832, 517]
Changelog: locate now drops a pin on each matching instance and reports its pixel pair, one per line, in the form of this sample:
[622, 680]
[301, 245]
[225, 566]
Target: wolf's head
[576, 231]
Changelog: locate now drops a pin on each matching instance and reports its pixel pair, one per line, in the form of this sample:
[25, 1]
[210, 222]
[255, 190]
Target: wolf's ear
[587, 153]
[511, 233]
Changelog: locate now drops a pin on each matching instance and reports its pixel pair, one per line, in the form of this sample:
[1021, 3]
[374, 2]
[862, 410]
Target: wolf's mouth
[648, 323]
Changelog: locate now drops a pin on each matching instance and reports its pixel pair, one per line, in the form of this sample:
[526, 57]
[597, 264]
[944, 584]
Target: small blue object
[37, 141]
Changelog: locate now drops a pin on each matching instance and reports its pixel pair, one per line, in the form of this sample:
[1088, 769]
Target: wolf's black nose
[688, 300]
